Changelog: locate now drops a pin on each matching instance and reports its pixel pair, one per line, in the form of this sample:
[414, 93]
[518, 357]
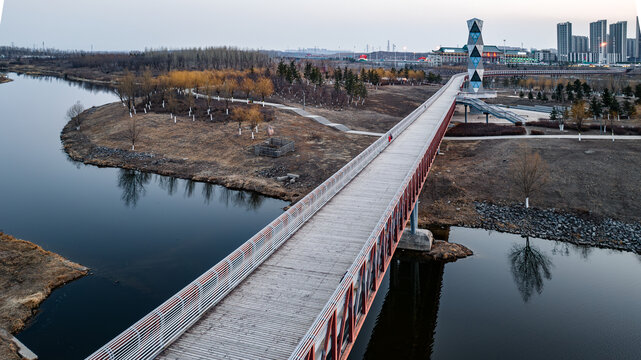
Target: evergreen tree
[559, 92]
[595, 107]
[282, 70]
[554, 114]
[586, 89]
[637, 93]
[606, 98]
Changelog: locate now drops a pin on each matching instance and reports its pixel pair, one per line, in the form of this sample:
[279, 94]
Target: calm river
[143, 236]
[146, 236]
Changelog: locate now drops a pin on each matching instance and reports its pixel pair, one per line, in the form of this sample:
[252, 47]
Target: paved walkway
[319, 119]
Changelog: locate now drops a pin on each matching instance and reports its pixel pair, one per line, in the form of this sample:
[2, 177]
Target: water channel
[146, 236]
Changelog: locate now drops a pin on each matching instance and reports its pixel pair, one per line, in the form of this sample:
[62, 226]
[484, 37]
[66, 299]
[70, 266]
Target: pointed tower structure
[475, 68]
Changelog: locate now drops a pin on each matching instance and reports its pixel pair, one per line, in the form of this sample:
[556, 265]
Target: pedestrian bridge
[302, 287]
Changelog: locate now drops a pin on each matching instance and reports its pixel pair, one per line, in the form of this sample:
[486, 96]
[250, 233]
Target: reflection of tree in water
[246, 199]
[529, 267]
[563, 249]
[190, 185]
[168, 184]
[132, 183]
[208, 192]
[406, 325]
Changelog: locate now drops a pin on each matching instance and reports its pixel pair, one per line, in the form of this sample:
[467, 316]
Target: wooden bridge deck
[266, 316]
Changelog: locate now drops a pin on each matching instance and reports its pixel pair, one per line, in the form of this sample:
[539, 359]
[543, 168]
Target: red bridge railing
[151, 334]
[334, 331]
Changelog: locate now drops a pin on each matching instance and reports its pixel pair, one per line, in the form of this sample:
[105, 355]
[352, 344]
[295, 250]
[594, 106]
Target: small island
[28, 274]
[4, 79]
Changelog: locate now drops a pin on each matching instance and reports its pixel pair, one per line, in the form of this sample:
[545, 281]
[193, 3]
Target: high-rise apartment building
[637, 43]
[564, 40]
[580, 44]
[618, 42]
[631, 49]
[598, 37]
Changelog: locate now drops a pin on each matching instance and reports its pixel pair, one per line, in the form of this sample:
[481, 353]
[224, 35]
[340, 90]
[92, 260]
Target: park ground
[212, 151]
[597, 177]
[28, 274]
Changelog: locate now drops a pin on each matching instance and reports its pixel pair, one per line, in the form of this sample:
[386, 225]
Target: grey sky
[419, 25]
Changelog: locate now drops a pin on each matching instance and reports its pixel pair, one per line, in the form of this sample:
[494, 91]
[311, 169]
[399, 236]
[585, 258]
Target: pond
[143, 236]
[516, 298]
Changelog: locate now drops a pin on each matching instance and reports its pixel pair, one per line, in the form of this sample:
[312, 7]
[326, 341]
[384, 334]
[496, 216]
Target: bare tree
[579, 114]
[529, 173]
[126, 90]
[74, 114]
[133, 133]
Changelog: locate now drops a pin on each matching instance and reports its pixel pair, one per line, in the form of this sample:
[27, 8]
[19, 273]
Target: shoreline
[253, 176]
[581, 229]
[32, 274]
[213, 152]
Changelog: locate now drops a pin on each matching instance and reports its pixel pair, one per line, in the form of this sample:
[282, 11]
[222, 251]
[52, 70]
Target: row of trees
[164, 60]
[305, 82]
[616, 84]
[222, 83]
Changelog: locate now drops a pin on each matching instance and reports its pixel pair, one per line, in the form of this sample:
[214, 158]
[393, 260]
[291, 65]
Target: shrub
[480, 129]
[537, 132]
[544, 124]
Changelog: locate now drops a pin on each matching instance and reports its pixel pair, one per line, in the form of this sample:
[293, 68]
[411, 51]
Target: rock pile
[555, 225]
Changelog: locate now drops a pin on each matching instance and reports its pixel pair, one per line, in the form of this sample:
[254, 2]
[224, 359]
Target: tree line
[310, 84]
[167, 60]
[171, 86]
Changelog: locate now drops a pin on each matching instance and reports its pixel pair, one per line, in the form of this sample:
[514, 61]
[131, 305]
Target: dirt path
[28, 274]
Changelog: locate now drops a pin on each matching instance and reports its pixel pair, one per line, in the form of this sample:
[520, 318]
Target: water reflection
[529, 266]
[246, 199]
[168, 184]
[412, 302]
[190, 185]
[85, 85]
[132, 183]
[208, 192]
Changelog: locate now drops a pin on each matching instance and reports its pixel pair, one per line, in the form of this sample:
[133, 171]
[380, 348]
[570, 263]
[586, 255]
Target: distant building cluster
[605, 45]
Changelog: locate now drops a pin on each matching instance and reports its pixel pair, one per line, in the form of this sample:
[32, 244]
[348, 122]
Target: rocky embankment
[556, 225]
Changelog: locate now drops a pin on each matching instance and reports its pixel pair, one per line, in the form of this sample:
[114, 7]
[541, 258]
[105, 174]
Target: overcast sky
[419, 25]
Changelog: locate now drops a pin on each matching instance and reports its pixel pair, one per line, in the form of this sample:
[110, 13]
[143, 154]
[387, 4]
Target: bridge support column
[465, 113]
[414, 219]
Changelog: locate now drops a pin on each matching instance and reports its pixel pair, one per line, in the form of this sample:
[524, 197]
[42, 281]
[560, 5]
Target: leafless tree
[133, 133]
[529, 173]
[74, 114]
[126, 90]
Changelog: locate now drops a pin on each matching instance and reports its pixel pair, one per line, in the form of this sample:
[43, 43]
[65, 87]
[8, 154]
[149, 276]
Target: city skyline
[103, 25]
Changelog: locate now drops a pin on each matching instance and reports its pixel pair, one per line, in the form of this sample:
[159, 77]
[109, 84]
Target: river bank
[591, 196]
[28, 274]
[213, 152]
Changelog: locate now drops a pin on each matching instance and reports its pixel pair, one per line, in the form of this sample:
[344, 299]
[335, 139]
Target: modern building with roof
[491, 55]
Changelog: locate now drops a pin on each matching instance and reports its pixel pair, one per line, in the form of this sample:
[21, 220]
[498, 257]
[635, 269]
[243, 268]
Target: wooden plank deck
[266, 316]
